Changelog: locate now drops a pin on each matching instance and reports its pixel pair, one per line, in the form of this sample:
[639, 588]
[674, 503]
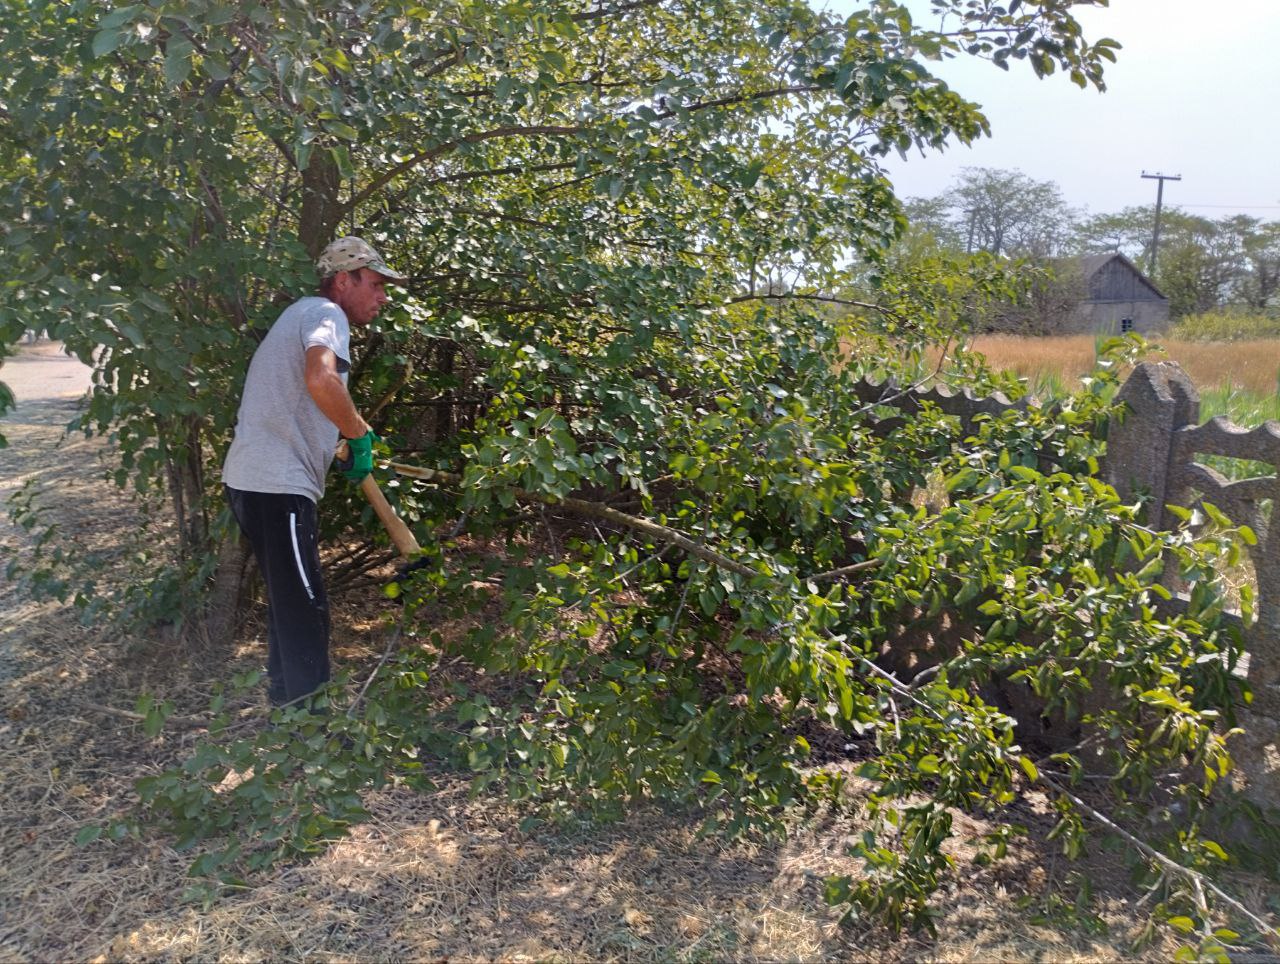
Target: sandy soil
[43, 373]
[48, 386]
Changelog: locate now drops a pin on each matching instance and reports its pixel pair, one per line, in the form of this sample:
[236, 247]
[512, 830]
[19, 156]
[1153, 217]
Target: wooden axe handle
[404, 541]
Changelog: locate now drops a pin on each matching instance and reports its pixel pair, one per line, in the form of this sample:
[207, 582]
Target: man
[294, 409]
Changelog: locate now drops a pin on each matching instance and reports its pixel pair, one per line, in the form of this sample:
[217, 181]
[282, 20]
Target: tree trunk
[230, 597]
[445, 353]
[321, 209]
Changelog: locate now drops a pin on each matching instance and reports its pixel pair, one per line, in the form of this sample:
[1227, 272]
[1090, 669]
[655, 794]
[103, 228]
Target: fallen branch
[188, 721]
[1198, 880]
[386, 655]
[596, 510]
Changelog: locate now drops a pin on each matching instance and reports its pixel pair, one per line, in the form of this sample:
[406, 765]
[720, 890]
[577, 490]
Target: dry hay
[436, 875]
[1252, 366]
[441, 876]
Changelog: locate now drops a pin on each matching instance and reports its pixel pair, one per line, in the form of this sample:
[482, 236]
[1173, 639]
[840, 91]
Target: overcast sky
[1196, 92]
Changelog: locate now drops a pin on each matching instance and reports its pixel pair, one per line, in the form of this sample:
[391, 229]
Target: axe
[400, 535]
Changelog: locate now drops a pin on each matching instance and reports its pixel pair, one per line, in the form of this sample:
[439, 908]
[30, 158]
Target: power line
[1237, 207]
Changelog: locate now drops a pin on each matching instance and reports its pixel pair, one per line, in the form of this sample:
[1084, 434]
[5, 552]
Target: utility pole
[1155, 235]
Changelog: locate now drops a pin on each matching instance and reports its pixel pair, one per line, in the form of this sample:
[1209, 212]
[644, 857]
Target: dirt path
[49, 387]
[42, 373]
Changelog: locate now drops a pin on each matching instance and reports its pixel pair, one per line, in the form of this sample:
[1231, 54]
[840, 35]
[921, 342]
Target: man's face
[361, 294]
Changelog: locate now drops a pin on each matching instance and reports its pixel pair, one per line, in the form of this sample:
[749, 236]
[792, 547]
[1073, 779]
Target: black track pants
[282, 530]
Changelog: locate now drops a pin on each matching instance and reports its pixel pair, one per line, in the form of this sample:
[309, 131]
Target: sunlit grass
[1248, 367]
[1242, 407]
[1238, 379]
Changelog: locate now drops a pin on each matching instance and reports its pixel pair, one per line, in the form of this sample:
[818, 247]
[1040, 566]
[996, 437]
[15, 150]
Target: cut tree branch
[595, 510]
[1197, 879]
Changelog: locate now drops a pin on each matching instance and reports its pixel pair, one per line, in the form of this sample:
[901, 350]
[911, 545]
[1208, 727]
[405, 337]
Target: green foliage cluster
[613, 670]
[629, 227]
[1226, 325]
[254, 793]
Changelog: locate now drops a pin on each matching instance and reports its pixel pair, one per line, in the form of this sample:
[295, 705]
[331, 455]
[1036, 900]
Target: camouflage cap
[351, 254]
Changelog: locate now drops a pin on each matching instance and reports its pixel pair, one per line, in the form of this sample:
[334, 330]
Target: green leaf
[1184, 924]
[88, 834]
[338, 58]
[1215, 849]
[1158, 697]
[339, 129]
[928, 764]
[118, 17]
[177, 61]
[215, 67]
[106, 41]
[342, 159]
[1029, 768]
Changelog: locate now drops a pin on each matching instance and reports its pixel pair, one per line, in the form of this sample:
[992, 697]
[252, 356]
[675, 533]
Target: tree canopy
[626, 224]
[1205, 263]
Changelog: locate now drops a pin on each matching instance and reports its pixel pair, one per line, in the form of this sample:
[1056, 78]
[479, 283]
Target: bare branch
[389, 175]
[596, 510]
[744, 98]
[830, 299]
[500, 171]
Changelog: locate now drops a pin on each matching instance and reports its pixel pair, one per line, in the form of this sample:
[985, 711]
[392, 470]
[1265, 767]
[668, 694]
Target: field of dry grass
[1249, 366]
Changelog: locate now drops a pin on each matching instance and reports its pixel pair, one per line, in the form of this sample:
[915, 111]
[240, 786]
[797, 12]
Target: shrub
[1226, 325]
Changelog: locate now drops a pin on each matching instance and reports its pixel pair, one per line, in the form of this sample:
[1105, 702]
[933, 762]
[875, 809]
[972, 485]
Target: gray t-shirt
[283, 442]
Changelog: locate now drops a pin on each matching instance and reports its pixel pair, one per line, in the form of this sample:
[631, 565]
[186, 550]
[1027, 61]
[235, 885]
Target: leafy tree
[992, 213]
[560, 175]
[930, 223]
[624, 222]
[1127, 231]
[1260, 245]
[1006, 212]
[1199, 263]
[1204, 263]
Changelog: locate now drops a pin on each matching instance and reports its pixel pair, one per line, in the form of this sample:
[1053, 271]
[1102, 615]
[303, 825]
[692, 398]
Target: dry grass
[1251, 366]
[437, 875]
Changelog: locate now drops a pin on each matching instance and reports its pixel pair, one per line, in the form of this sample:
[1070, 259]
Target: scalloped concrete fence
[1152, 450]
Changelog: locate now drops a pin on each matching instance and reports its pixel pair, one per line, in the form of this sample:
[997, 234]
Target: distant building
[1118, 298]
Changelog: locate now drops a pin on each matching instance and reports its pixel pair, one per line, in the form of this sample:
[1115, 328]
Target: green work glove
[359, 460]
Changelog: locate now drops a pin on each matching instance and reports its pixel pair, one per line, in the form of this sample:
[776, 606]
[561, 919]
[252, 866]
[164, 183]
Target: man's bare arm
[330, 394]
